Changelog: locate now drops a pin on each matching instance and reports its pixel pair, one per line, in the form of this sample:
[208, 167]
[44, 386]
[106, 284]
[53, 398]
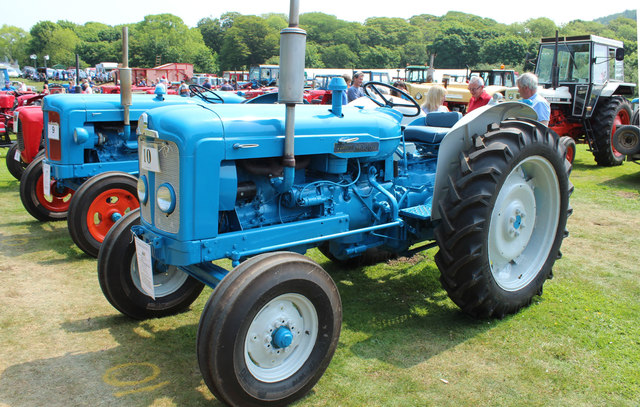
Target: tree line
[235, 41]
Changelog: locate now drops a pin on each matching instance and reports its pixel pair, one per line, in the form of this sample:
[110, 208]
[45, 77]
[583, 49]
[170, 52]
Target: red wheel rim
[571, 152]
[104, 206]
[58, 201]
[621, 119]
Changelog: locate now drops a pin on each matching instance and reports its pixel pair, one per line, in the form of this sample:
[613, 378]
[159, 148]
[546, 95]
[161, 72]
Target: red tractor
[28, 126]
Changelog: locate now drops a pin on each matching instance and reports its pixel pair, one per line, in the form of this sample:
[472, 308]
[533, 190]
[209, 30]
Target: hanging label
[46, 179]
[145, 268]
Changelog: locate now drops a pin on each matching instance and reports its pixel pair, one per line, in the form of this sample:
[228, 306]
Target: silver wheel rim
[524, 222]
[164, 284]
[268, 363]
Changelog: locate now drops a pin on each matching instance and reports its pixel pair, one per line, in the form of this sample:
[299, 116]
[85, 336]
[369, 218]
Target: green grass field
[403, 342]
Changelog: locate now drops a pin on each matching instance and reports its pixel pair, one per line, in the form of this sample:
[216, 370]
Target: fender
[617, 88]
[460, 139]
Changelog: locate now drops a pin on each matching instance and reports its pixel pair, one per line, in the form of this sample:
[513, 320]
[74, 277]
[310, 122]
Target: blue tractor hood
[252, 131]
[108, 107]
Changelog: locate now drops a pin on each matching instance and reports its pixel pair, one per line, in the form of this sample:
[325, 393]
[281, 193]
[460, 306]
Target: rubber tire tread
[84, 198]
[466, 211]
[602, 123]
[114, 260]
[28, 195]
[16, 168]
[234, 303]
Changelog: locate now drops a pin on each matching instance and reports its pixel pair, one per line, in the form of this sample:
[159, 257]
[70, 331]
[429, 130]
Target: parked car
[29, 72]
[14, 73]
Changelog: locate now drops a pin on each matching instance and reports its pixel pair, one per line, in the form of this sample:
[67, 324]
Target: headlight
[143, 188]
[166, 198]
[80, 135]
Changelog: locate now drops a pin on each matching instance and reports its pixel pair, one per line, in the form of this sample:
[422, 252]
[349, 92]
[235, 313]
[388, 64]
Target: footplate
[422, 212]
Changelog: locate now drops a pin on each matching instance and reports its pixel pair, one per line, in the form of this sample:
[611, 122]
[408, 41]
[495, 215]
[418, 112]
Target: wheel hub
[513, 217]
[523, 223]
[281, 337]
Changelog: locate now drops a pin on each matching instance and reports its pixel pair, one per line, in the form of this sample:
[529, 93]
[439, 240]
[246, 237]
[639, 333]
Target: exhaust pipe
[125, 81]
[291, 87]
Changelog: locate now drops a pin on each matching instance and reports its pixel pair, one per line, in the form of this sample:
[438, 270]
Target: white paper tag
[46, 179]
[16, 156]
[53, 131]
[145, 269]
[149, 160]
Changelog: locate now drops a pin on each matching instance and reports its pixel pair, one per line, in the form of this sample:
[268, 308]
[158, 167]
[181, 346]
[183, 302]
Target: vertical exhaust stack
[291, 87]
[125, 81]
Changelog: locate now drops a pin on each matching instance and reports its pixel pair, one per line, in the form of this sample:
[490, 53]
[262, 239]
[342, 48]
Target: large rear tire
[269, 330]
[503, 218]
[40, 206]
[119, 280]
[97, 205]
[611, 113]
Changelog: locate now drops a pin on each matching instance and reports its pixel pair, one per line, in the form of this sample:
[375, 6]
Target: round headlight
[143, 188]
[80, 135]
[166, 198]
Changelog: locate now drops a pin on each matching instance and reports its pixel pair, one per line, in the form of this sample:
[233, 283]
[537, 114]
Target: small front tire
[40, 206]
[15, 166]
[119, 280]
[269, 330]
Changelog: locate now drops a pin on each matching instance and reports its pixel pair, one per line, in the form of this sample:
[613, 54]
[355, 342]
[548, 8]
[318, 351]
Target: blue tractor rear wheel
[503, 219]
[269, 330]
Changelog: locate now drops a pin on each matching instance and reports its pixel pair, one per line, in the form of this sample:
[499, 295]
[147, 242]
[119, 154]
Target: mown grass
[403, 342]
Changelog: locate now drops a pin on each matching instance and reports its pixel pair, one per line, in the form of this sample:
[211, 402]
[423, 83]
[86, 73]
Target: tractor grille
[19, 137]
[169, 162]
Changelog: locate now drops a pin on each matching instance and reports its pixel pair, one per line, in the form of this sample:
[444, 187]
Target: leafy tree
[212, 33]
[379, 57]
[234, 52]
[62, 47]
[339, 56]
[256, 40]
[540, 27]
[13, 44]
[508, 50]
[321, 28]
[449, 50]
[313, 57]
[167, 36]
[414, 53]
[41, 34]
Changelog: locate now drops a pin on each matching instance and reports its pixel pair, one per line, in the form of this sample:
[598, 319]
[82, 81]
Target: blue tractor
[261, 184]
[88, 173]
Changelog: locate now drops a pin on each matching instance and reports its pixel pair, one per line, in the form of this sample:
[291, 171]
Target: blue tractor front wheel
[269, 330]
[120, 281]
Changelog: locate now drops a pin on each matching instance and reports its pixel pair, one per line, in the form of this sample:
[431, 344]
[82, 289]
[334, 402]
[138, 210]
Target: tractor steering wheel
[205, 94]
[372, 87]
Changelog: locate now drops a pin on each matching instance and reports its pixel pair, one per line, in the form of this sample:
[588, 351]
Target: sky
[26, 13]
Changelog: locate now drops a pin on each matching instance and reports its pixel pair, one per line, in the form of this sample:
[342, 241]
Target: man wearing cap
[8, 87]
